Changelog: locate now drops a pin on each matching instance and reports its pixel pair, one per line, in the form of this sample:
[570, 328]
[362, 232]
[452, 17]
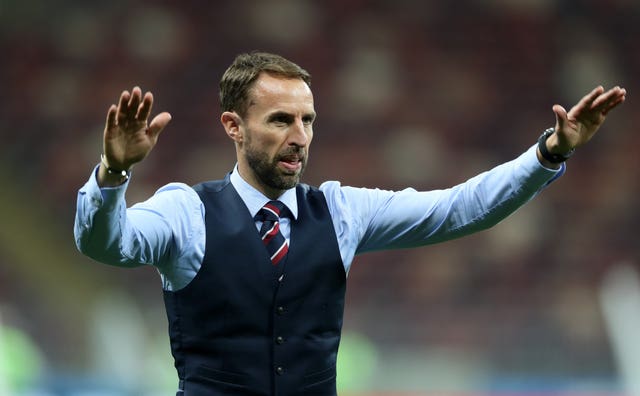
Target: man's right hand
[128, 137]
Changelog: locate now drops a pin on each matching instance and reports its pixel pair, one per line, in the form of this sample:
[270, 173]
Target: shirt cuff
[532, 159]
[103, 197]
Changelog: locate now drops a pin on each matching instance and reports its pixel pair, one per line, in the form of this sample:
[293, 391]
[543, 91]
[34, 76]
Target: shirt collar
[255, 200]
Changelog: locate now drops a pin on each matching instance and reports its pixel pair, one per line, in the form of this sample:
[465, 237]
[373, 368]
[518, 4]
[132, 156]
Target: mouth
[292, 163]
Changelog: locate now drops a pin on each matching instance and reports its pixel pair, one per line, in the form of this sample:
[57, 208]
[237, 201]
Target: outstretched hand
[128, 137]
[577, 127]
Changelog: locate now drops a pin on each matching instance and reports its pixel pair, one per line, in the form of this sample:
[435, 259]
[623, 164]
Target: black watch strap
[124, 174]
[542, 146]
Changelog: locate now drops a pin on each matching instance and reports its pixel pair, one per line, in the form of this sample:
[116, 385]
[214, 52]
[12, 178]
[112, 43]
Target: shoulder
[212, 185]
[172, 197]
[176, 189]
[306, 189]
[336, 192]
[350, 201]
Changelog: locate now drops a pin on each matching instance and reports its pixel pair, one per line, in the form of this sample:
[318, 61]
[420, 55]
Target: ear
[232, 123]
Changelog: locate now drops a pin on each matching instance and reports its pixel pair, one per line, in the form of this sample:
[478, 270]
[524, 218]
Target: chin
[291, 181]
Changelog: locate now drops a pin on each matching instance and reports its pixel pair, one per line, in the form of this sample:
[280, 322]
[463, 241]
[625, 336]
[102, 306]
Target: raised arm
[150, 231]
[128, 137]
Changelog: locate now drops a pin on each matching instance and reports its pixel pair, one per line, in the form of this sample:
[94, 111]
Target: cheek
[267, 145]
[309, 136]
[309, 140]
[259, 139]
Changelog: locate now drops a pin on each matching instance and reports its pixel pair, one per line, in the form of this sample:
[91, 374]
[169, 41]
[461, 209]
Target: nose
[299, 134]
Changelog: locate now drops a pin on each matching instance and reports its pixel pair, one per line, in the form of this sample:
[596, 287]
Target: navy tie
[277, 246]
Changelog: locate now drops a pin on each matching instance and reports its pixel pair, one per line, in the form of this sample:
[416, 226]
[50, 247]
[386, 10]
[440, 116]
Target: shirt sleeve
[158, 231]
[372, 219]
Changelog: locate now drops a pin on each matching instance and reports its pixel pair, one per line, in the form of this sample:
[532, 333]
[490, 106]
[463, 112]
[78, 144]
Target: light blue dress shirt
[167, 231]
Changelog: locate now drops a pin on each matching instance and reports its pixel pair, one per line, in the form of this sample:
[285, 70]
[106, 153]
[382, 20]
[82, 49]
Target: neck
[251, 179]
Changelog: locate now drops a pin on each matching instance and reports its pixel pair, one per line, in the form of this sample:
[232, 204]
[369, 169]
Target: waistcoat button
[279, 370]
[279, 340]
[280, 310]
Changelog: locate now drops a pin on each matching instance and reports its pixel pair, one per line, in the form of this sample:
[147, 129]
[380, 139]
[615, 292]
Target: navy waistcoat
[241, 328]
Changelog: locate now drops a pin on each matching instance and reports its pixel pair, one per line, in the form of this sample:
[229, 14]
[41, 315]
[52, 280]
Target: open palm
[128, 137]
[577, 127]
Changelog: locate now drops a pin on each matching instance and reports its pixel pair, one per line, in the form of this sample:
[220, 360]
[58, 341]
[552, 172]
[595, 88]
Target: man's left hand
[577, 127]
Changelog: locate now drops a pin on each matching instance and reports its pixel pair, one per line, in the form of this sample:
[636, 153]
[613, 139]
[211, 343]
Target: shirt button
[279, 370]
[279, 340]
[280, 310]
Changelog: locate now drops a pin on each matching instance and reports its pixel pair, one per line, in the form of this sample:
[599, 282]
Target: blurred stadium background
[409, 93]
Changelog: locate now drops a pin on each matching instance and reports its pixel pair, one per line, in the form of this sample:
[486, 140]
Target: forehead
[272, 93]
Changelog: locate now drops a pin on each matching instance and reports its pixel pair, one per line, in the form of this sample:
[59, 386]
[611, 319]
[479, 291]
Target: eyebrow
[284, 114]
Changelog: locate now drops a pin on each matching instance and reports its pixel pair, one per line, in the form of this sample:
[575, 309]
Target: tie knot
[271, 211]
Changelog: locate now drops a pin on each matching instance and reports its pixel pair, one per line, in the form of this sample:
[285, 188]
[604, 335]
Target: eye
[280, 118]
[308, 120]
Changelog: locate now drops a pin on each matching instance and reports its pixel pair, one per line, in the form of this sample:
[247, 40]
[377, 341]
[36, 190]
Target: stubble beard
[267, 171]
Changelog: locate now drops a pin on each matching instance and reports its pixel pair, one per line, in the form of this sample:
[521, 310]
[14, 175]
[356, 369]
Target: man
[254, 265]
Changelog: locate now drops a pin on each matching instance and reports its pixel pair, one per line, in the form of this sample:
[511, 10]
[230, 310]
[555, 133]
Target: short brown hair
[238, 79]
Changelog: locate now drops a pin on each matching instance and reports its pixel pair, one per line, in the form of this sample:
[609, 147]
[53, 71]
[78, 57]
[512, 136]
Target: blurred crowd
[409, 93]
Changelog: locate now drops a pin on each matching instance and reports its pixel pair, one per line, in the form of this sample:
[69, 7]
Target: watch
[124, 174]
[542, 146]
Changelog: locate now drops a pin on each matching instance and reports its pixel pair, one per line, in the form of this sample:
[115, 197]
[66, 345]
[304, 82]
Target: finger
[121, 113]
[111, 117]
[144, 110]
[134, 102]
[158, 123]
[561, 116]
[606, 97]
[131, 106]
[613, 98]
[613, 104]
[588, 99]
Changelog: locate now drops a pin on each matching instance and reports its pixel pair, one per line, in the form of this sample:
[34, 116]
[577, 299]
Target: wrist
[109, 176]
[550, 151]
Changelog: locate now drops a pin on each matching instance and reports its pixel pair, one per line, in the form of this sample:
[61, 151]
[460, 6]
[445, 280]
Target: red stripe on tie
[271, 233]
[272, 208]
[279, 255]
[273, 240]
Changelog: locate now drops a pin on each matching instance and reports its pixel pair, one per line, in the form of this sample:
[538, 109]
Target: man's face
[276, 132]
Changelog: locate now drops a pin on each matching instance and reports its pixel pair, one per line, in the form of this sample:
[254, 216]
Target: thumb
[158, 123]
[561, 116]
